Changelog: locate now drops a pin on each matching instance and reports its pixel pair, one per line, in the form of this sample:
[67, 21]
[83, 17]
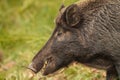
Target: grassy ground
[25, 26]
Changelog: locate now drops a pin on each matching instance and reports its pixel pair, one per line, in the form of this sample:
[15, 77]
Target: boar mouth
[49, 66]
[52, 64]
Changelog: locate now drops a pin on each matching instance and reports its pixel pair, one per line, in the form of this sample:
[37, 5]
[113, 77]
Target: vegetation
[25, 26]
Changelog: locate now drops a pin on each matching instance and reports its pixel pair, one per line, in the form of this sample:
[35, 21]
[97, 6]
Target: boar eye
[59, 33]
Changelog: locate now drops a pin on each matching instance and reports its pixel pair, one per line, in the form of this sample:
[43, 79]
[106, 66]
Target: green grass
[25, 26]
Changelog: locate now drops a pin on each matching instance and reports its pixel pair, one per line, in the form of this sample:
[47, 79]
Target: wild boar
[87, 32]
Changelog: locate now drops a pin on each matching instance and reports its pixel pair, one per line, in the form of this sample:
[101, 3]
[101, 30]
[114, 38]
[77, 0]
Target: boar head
[64, 45]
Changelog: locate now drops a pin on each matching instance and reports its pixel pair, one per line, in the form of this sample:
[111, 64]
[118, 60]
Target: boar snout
[40, 59]
[36, 67]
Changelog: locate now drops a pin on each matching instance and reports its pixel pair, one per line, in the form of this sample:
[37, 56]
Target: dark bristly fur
[87, 32]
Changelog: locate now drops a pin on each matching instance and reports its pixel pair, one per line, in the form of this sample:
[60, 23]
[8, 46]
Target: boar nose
[32, 67]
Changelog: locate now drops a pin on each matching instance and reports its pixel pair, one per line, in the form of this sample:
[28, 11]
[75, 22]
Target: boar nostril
[31, 67]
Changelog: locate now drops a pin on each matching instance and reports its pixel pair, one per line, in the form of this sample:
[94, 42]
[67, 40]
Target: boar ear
[72, 15]
[62, 6]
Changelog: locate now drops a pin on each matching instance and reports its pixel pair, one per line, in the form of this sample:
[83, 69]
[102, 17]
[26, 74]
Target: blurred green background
[25, 26]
